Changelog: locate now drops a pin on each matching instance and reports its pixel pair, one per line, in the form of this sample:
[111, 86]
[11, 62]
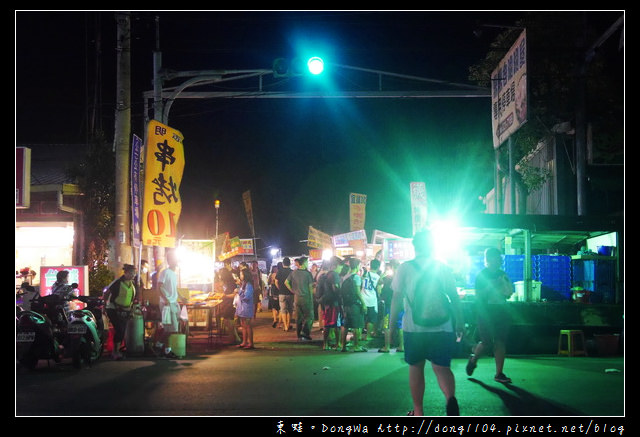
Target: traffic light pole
[204, 77]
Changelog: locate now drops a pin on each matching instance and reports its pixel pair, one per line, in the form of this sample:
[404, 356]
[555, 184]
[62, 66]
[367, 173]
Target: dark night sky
[299, 157]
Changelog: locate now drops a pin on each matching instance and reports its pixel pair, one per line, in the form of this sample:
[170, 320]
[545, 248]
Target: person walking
[245, 307]
[300, 282]
[493, 288]
[436, 344]
[274, 304]
[353, 306]
[285, 296]
[119, 298]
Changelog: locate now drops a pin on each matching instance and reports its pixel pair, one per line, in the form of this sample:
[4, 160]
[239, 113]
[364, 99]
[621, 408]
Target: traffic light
[283, 67]
[315, 65]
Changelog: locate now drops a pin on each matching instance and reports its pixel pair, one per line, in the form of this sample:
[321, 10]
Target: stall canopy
[547, 232]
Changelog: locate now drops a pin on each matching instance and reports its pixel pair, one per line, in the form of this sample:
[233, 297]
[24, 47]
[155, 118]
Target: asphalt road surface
[283, 379]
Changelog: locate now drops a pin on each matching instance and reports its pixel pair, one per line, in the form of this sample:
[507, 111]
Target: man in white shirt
[370, 292]
[169, 307]
[421, 343]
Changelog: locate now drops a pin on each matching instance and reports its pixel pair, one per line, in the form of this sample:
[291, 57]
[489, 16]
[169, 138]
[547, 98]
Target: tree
[96, 178]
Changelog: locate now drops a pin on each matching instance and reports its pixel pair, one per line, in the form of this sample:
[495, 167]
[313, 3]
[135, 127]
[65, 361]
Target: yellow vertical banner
[164, 165]
[357, 205]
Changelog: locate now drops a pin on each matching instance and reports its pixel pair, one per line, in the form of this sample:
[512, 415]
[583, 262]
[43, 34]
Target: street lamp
[216, 203]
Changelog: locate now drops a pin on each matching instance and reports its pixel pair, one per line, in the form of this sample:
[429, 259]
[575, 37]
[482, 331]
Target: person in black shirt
[227, 311]
[285, 296]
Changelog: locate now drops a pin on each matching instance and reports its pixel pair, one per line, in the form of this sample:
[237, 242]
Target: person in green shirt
[119, 298]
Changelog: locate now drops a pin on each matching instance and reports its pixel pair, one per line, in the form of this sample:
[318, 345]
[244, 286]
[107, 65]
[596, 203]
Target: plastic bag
[184, 315]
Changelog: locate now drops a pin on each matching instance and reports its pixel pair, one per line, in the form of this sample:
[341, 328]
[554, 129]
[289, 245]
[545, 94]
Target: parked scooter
[41, 330]
[47, 331]
[24, 295]
[85, 338]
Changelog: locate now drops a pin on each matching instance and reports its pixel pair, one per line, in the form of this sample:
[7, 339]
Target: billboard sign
[509, 92]
[400, 249]
[318, 239]
[344, 240]
[77, 274]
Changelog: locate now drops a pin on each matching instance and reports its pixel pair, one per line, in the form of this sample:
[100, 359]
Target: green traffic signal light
[315, 65]
[283, 67]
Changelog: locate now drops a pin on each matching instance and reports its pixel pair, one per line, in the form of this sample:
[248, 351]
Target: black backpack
[431, 305]
[324, 292]
[348, 291]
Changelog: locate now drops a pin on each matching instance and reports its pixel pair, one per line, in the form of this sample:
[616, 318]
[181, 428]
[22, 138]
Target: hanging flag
[357, 205]
[136, 206]
[418, 206]
[246, 197]
[164, 165]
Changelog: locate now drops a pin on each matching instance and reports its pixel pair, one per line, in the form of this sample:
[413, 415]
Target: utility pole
[121, 142]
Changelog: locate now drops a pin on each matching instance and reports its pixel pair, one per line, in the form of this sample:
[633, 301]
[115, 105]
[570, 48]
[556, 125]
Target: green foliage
[533, 177]
[96, 177]
[99, 278]
[557, 46]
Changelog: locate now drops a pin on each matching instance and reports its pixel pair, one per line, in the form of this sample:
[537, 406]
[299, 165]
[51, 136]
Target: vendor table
[206, 315]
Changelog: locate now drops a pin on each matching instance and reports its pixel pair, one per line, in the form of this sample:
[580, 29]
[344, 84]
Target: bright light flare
[315, 65]
[447, 239]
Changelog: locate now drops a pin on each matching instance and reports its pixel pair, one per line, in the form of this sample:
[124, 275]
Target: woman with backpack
[353, 306]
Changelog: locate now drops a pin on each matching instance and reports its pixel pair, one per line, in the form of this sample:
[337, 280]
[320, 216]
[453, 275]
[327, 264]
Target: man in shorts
[493, 288]
[285, 296]
[436, 344]
[300, 282]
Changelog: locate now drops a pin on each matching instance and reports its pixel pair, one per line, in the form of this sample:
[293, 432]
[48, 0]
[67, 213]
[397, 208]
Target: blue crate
[513, 265]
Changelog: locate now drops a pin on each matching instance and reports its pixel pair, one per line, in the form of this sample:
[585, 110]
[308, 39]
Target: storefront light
[44, 236]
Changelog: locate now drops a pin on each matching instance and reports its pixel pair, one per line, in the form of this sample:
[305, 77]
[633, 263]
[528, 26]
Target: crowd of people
[342, 297]
[351, 305]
